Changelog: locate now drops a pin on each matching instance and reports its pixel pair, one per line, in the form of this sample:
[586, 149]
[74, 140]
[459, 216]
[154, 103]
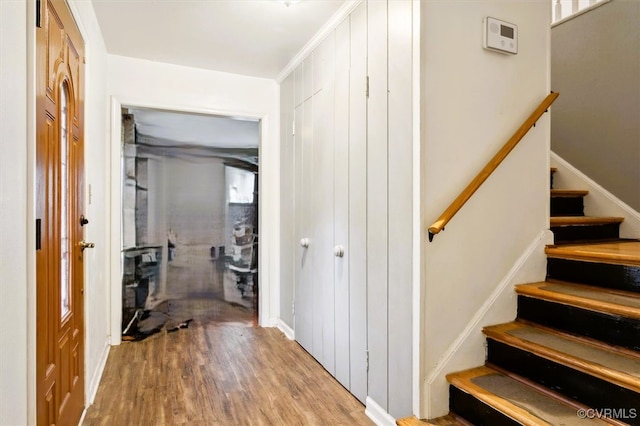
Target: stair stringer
[469, 348]
[599, 202]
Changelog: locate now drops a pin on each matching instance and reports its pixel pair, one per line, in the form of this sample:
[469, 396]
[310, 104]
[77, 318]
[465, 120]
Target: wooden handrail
[493, 164]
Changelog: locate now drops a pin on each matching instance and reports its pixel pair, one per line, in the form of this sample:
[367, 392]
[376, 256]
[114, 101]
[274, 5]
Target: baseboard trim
[97, 375]
[379, 416]
[84, 414]
[284, 327]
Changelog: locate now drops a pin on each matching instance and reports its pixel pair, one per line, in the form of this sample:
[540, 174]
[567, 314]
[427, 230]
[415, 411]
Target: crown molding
[315, 41]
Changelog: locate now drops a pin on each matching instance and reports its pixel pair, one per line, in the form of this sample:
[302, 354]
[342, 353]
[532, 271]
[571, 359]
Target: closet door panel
[400, 208]
[308, 217]
[358, 204]
[326, 163]
[307, 78]
[318, 69]
[304, 278]
[320, 197]
[298, 83]
[377, 197]
[341, 201]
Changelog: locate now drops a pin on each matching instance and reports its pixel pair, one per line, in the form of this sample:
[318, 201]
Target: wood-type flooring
[216, 373]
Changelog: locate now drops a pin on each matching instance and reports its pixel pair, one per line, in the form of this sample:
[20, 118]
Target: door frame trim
[265, 213]
[32, 401]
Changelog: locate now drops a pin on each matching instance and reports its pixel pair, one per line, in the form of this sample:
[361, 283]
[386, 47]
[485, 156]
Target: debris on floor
[147, 322]
[184, 324]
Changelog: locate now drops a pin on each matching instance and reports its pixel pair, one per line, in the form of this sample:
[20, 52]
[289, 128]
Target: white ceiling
[250, 37]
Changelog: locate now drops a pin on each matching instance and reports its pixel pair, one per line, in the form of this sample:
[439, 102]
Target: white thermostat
[500, 36]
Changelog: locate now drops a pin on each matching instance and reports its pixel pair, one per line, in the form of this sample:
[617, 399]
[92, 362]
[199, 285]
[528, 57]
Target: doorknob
[338, 251]
[85, 245]
[83, 220]
[304, 242]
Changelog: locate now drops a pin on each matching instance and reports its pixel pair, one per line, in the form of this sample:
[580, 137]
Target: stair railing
[491, 166]
[566, 9]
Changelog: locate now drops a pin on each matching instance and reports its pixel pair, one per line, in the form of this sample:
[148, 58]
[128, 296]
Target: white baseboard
[284, 327]
[467, 350]
[599, 202]
[97, 375]
[378, 414]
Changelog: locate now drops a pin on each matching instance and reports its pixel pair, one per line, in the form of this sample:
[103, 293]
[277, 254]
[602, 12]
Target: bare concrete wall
[195, 197]
[595, 126]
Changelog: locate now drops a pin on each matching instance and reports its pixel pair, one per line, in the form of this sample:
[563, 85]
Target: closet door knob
[304, 242]
[338, 251]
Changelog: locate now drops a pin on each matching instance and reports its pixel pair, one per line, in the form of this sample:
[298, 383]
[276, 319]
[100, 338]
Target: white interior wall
[97, 188]
[17, 168]
[472, 102]
[287, 208]
[595, 65]
[138, 82]
[14, 204]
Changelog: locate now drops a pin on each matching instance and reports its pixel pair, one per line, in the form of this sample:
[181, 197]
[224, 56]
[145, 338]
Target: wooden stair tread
[580, 354]
[616, 302]
[522, 403]
[568, 192]
[625, 252]
[448, 420]
[583, 220]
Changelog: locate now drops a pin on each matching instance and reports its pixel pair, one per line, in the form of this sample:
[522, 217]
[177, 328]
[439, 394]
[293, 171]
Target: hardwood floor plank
[219, 374]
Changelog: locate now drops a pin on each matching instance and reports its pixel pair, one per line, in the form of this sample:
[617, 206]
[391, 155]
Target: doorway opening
[189, 220]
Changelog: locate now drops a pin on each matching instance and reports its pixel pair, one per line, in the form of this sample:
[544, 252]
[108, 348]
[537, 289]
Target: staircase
[572, 356]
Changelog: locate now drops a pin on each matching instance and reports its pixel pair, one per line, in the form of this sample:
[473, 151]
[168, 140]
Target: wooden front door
[59, 206]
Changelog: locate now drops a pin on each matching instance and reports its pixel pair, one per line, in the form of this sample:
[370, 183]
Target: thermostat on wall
[500, 36]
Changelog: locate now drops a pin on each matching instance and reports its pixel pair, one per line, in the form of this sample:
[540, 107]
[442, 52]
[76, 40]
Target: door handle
[338, 251]
[85, 245]
[304, 242]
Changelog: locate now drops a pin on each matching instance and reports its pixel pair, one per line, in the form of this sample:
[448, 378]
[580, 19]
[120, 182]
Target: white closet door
[321, 205]
[341, 202]
[303, 317]
[325, 161]
[358, 204]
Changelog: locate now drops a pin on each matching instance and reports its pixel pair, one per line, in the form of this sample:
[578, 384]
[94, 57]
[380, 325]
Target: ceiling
[250, 37]
[172, 128]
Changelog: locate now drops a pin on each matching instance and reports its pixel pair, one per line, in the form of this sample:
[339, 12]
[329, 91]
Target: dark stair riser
[584, 388]
[575, 233]
[567, 206]
[476, 411]
[608, 275]
[612, 329]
